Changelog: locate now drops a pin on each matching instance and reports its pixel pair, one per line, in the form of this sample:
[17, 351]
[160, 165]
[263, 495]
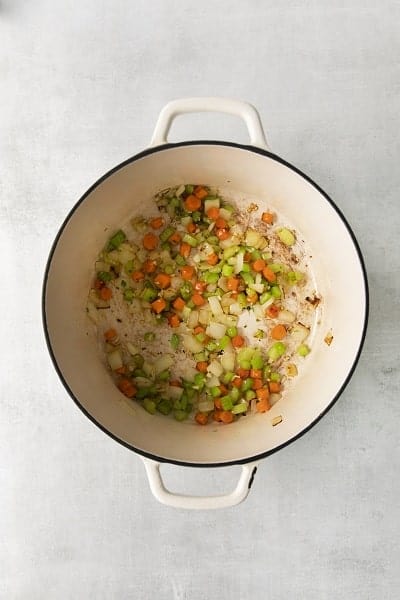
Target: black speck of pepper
[119, 320]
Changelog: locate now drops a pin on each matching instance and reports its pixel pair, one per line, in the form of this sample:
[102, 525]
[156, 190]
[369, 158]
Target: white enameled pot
[242, 171]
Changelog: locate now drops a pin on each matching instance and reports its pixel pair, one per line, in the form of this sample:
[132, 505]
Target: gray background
[81, 86]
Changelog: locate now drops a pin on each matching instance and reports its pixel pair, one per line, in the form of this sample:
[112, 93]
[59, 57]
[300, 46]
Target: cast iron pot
[247, 171]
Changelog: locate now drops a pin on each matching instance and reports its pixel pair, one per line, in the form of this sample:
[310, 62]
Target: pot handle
[245, 111]
[164, 496]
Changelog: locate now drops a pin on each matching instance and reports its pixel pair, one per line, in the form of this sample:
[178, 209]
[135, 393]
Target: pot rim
[256, 150]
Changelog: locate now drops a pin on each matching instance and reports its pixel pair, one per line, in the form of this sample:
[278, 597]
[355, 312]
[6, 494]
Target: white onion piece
[299, 333]
[228, 361]
[239, 262]
[193, 319]
[204, 316]
[149, 369]
[215, 330]
[92, 312]
[176, 282]
[235, 309]
[215, 368]
[257, 287]
[215, 305]
[206, 405]
[191, 344]
[273, 398]
[180, 190]
[132, 349]
[212, 381]
[115, 360]
[286, 316]
[225, 214]
[164, 362]
[174, 392]
[223, 283]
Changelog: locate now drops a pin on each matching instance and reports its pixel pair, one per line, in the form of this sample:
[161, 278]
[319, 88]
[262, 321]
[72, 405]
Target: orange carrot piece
[222, 234]
[198, 299]
[162, 280]
[126, 387]
[121, 371]
[149, 266]
[272, 311]
[220, 223]
[258, 265]
[175, 238]
[158, 305]
[106, 293]
[200, 286]
[198, 329]
[175, 383]
[255, 373]
[237, 341]
[150, 241]
[201, 418]
[262, 393]
[213, 213]
[217, 415]
[137, 275]
[98, 284]
[192, 203]
[187, 272]
[278, 332]
[184, 250]
[217, 403]
[174, 320]
[200, 192]
[202, 366]
[237, 382]
[269, 275]
[263, 400]
[191, 227]
[157, 223]
[212, 259]
[178, 304]
[274, 387]
[110, 334]
[267, 218]
[232, 283]
[243, 373]
[257, 384]
[226, 416]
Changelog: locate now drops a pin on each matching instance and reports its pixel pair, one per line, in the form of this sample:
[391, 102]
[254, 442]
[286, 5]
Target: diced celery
[149, 294]
[230, 251]
[294, 277]
[244, 363]
[196, 216]
[248, 278]
[247, 384]
[149, 336]
[189, 189]
[116, 240]
[227, 270]
[286, 236]
[180, 415]
[231, 331]
[164, 407]
[275, 376]
[245, 269]
[276, 351]
[226, 403]
[303, 350]
[186, 290]
[250, 394]
[275, 291]
[256, 360]
[164, 375]
[210, 278]
[215, 391]
[191, 240]
[212, 346]
[150, 406]
[104, 276]
[227, 377]
[234, 394]
[265, 297]
[180, 261]
[166, 234]
[199, 379]
[238, 409]
[129, 294]
[224, 342]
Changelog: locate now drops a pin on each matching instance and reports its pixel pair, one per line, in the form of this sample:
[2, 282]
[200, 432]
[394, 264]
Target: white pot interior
[243, 173]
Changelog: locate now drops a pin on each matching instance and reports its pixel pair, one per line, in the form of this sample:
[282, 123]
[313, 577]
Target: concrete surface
[81, 85]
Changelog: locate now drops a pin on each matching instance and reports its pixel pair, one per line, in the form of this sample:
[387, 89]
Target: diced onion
[215, 306]
[191, 344]
[132, 349]
[286, 316]
[193, 319]
[92, 312]
[206, 405]
[235, 309]
[239, 262]
[299, 333]
[176, 282]
[204, 316]
[215, 368]
[215, 330]
[228, 361]
[115, 360]
[212, 381]
[174, 392]
[164, 362]
[273, 398]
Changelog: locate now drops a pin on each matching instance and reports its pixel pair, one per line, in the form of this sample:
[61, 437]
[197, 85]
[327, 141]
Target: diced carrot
[226, 416]
[98, 284]
[175, 383]
[237, 382]
[157, 223]
[175, 238]
[217, 415]
[201, 418]
[247, 256]
[269, 275]
[192, 203]
[212, 259]
[278, 332]
[200, 286]
[272, 311]
[217, 403]
[149, 266]
[137, 275]
[237, 341]
[187, 272]
[158, 305]
[198, 299]
[257, 384]
[162, 280]
[110, 334]
[179, 304]
[222, 234]
[191, 227]
[255, 373]
[232, 283]
[126, 386]
[200, 192]
[184, 250]
[150, 241]
[223, 389]
[106, 293]
[121, 371]
[174, 320]
[242, 372]
[220, 223]
[198, 329]
[263, 400]
[202, 366]
[258, 265]
[267, 218]
[274, 387]
[213, 213]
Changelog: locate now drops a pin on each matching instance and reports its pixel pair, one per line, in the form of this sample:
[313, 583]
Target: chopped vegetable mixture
[202, 294]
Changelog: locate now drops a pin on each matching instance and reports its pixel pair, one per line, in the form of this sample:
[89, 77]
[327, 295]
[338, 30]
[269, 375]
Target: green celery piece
[166, 234]
[175, 341]
[226, 403]
[239, 408]
[164, 407]
[247, 384]
[116, 240]
[104, 276]
[180, 415]
[150, 406]
[276, 351]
